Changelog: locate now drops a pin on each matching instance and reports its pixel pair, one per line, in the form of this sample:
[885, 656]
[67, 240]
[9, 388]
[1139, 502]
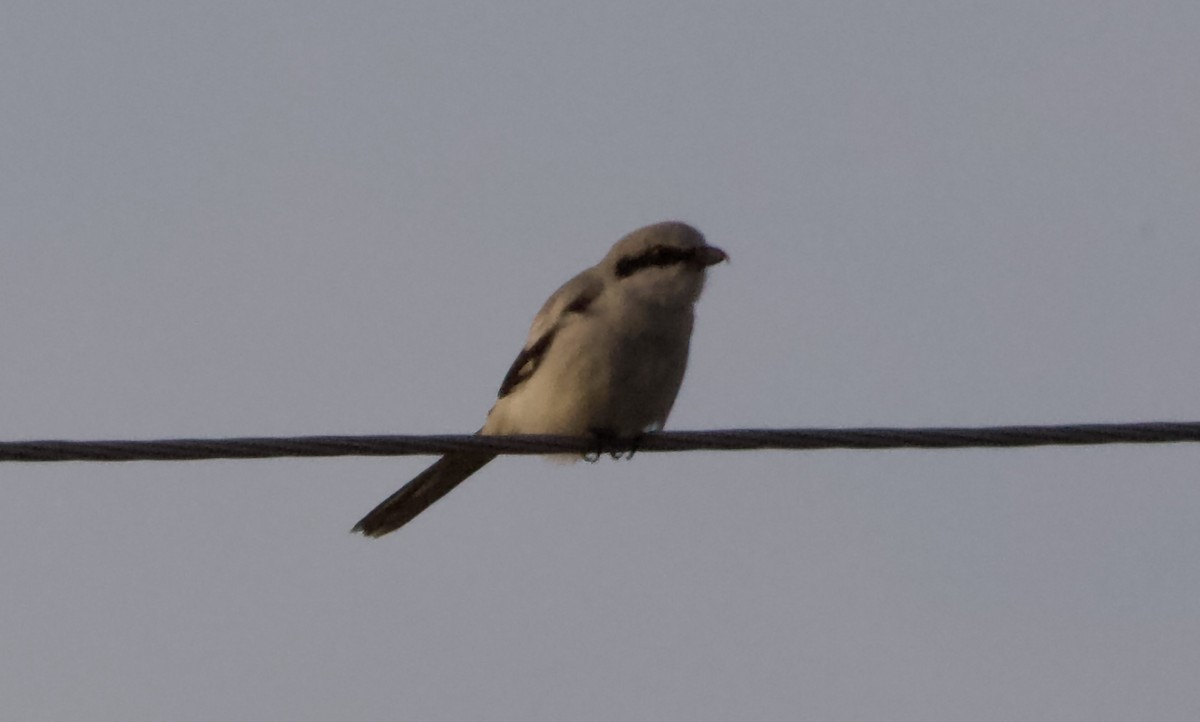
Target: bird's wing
[575, 296]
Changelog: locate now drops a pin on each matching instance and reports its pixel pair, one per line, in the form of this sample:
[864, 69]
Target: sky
[266, 218]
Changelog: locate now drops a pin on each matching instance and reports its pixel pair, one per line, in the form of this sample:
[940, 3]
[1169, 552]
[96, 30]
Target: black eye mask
[656, 257]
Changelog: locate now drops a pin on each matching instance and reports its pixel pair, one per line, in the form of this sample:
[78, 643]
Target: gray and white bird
[605, 358]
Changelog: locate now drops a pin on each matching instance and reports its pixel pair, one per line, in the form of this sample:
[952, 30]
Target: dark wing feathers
[527, 361]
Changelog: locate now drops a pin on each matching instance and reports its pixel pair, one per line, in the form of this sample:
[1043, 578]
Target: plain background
[274, 218]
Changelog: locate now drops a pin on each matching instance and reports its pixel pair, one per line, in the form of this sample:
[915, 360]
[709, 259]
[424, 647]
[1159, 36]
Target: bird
[604, 359]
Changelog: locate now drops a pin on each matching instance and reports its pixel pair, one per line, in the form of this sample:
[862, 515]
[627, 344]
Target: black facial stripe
[656, 257]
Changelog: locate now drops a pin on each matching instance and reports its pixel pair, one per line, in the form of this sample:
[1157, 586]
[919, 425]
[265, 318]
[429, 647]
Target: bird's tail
[416, 496]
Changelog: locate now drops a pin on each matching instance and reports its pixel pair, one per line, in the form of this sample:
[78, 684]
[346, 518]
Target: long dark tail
[416, 496]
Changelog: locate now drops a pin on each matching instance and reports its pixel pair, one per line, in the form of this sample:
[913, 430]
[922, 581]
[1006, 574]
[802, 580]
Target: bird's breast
[620, 378]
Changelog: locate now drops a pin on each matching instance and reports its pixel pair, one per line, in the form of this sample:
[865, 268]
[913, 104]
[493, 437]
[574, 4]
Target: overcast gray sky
[266, 218]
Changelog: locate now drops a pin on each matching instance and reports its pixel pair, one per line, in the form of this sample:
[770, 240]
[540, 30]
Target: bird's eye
[654, 257]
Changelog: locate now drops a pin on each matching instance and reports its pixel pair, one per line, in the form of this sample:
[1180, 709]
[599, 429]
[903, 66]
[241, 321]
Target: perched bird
[604, 358]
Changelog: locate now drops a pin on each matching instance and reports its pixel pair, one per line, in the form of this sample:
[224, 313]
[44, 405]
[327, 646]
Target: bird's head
[664, 261]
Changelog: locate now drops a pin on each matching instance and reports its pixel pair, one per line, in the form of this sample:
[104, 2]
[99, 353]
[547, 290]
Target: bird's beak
[710, 256]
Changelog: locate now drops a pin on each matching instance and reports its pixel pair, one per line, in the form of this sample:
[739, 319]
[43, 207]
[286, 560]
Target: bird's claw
[609, 443]
[634, 443]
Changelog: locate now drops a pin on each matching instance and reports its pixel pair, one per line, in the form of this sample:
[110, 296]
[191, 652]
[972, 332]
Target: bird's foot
[612, 444]
[634, 442]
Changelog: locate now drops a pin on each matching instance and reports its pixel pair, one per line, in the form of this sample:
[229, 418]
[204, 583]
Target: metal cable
[720, 440]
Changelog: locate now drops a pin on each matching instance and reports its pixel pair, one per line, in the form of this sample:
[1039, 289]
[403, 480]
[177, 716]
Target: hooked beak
[710, 256]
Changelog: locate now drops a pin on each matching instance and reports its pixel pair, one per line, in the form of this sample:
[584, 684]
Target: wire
[721, 440]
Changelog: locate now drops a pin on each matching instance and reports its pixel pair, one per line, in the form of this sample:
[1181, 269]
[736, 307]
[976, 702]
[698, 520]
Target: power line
[719, 440]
